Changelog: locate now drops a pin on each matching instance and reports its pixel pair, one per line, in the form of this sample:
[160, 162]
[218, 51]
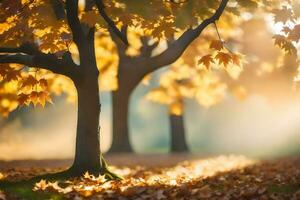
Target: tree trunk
[87, 153]
[178, 140]
[120, 108]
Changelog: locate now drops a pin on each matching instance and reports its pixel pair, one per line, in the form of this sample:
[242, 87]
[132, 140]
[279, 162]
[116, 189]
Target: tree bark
[87, 153]
[129, 76]
[178, 140]
[120, 108]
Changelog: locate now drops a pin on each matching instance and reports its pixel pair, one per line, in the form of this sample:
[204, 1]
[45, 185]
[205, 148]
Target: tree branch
[74, 23]
[121, 47]
[110, 22]
[17, 58]
[146, 49]
[10, 50]
[32, 57]
[58, 8]
[91, 44]
[89, 5]
[177, 48]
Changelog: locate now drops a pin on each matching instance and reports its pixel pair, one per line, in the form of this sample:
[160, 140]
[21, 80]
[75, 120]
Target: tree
[146, 50]
[132, 69]
[182, 81]
[36, 34]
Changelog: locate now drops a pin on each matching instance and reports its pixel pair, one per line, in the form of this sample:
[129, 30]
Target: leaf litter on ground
[222, 177]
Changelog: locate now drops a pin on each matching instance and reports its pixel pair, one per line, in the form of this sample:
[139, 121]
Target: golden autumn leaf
[285, 44]
[4, 69]
[43, 83]
[34, 97]
[30, 81]
[90, 18]
[206, 60]
[294, 34]
[283, 15]
[44, 97]
[279, 39]
[217, 45]
[223, 58]
[12, 75]
[236, 59]
[23, 99]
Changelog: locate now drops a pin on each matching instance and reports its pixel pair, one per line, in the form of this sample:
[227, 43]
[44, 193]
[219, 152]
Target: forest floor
[181, 176]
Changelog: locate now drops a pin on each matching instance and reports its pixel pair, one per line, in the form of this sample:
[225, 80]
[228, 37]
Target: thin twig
[220, 38]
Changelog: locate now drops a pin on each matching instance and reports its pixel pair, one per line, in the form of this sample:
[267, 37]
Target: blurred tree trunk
[178, 136]
[120, 108]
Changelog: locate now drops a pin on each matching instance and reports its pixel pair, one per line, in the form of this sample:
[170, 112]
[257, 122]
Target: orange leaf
[236, 59]
[30, 81]
[23, 99]
[34, 97]
[223, 58]
[206, 60]
[295, 33]
[43, 83]
[44, 97]
[217, 45]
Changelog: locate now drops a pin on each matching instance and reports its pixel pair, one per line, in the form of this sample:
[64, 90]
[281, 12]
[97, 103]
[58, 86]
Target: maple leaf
[90, 18]
[283, 15]
[43, 83]
[294, 34]
[284, 44]
[289, 48]
[23, 99]
[4, 69]
[279, 39]
[30, 81]
[12, 75]
[223, 58]
[236, 59]
[44, 97]
[34, 97]
[217, 45]
[206, 60]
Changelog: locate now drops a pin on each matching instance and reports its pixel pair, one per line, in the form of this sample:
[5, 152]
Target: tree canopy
[29, 28]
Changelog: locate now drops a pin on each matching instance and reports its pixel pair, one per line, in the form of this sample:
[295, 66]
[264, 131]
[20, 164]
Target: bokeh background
[253, 127]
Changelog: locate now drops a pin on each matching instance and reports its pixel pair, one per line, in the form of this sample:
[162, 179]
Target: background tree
[182, 82]
[133, 68]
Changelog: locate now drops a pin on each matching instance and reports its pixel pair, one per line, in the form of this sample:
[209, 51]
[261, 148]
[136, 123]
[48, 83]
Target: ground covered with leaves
[222, 177]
